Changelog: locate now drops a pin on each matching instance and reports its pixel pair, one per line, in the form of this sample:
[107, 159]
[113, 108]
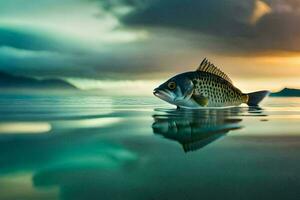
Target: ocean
[88, 146]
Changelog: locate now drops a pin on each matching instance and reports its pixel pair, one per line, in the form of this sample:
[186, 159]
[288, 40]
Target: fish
[195, 129]
[208, 86]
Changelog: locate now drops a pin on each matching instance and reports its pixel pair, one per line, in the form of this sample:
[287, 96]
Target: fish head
[176, 90]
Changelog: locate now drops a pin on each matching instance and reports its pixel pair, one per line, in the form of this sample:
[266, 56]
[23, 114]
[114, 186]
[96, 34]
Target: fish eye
[172, 85]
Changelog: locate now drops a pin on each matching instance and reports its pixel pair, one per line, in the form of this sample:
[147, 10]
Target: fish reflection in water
[194, 129]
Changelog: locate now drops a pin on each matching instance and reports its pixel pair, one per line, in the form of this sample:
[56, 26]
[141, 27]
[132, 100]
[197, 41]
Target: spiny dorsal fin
[206, 66]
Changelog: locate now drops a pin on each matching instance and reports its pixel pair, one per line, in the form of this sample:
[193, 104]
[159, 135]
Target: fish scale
[217, 90]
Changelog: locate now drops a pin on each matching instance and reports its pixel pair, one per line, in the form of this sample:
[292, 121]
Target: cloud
[34, 63]
[46, 55]
[65, 38]
[209, 16]
[33, 52]
[251, 26]
[261, 9]
[129, 38]
[284, 6]
[25, 40]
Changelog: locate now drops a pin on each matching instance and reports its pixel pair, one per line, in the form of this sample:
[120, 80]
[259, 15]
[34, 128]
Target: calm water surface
[95, 147]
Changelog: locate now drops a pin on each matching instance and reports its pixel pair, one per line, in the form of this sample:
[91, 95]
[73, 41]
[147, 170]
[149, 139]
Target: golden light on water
[26, 189]
[88, 123]
[24, 127]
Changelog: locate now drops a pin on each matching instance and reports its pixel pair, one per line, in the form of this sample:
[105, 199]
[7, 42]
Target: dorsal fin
[208, 67]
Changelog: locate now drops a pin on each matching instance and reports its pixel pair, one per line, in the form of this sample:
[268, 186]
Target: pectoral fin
[201, 100]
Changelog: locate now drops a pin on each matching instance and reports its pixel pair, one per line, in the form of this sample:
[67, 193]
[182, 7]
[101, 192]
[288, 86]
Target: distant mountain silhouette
[287, 92]
[21, 82]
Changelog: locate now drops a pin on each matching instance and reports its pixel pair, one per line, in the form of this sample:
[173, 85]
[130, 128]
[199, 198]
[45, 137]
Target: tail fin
[254, 98]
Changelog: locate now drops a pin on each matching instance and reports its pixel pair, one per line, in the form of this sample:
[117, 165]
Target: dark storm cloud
[33, 40]
[28, 40]
[227, 20]
[34, 53]
[275, 32]
[41, 55]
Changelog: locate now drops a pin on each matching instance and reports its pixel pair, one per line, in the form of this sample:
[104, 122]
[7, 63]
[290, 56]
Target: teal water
[95, 147]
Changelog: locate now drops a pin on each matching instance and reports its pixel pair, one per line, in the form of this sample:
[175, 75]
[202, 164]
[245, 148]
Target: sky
[149, 39]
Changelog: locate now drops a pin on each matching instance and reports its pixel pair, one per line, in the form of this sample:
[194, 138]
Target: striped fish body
[217, 90]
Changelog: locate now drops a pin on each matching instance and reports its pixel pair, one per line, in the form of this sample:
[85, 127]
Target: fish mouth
[162, 94]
